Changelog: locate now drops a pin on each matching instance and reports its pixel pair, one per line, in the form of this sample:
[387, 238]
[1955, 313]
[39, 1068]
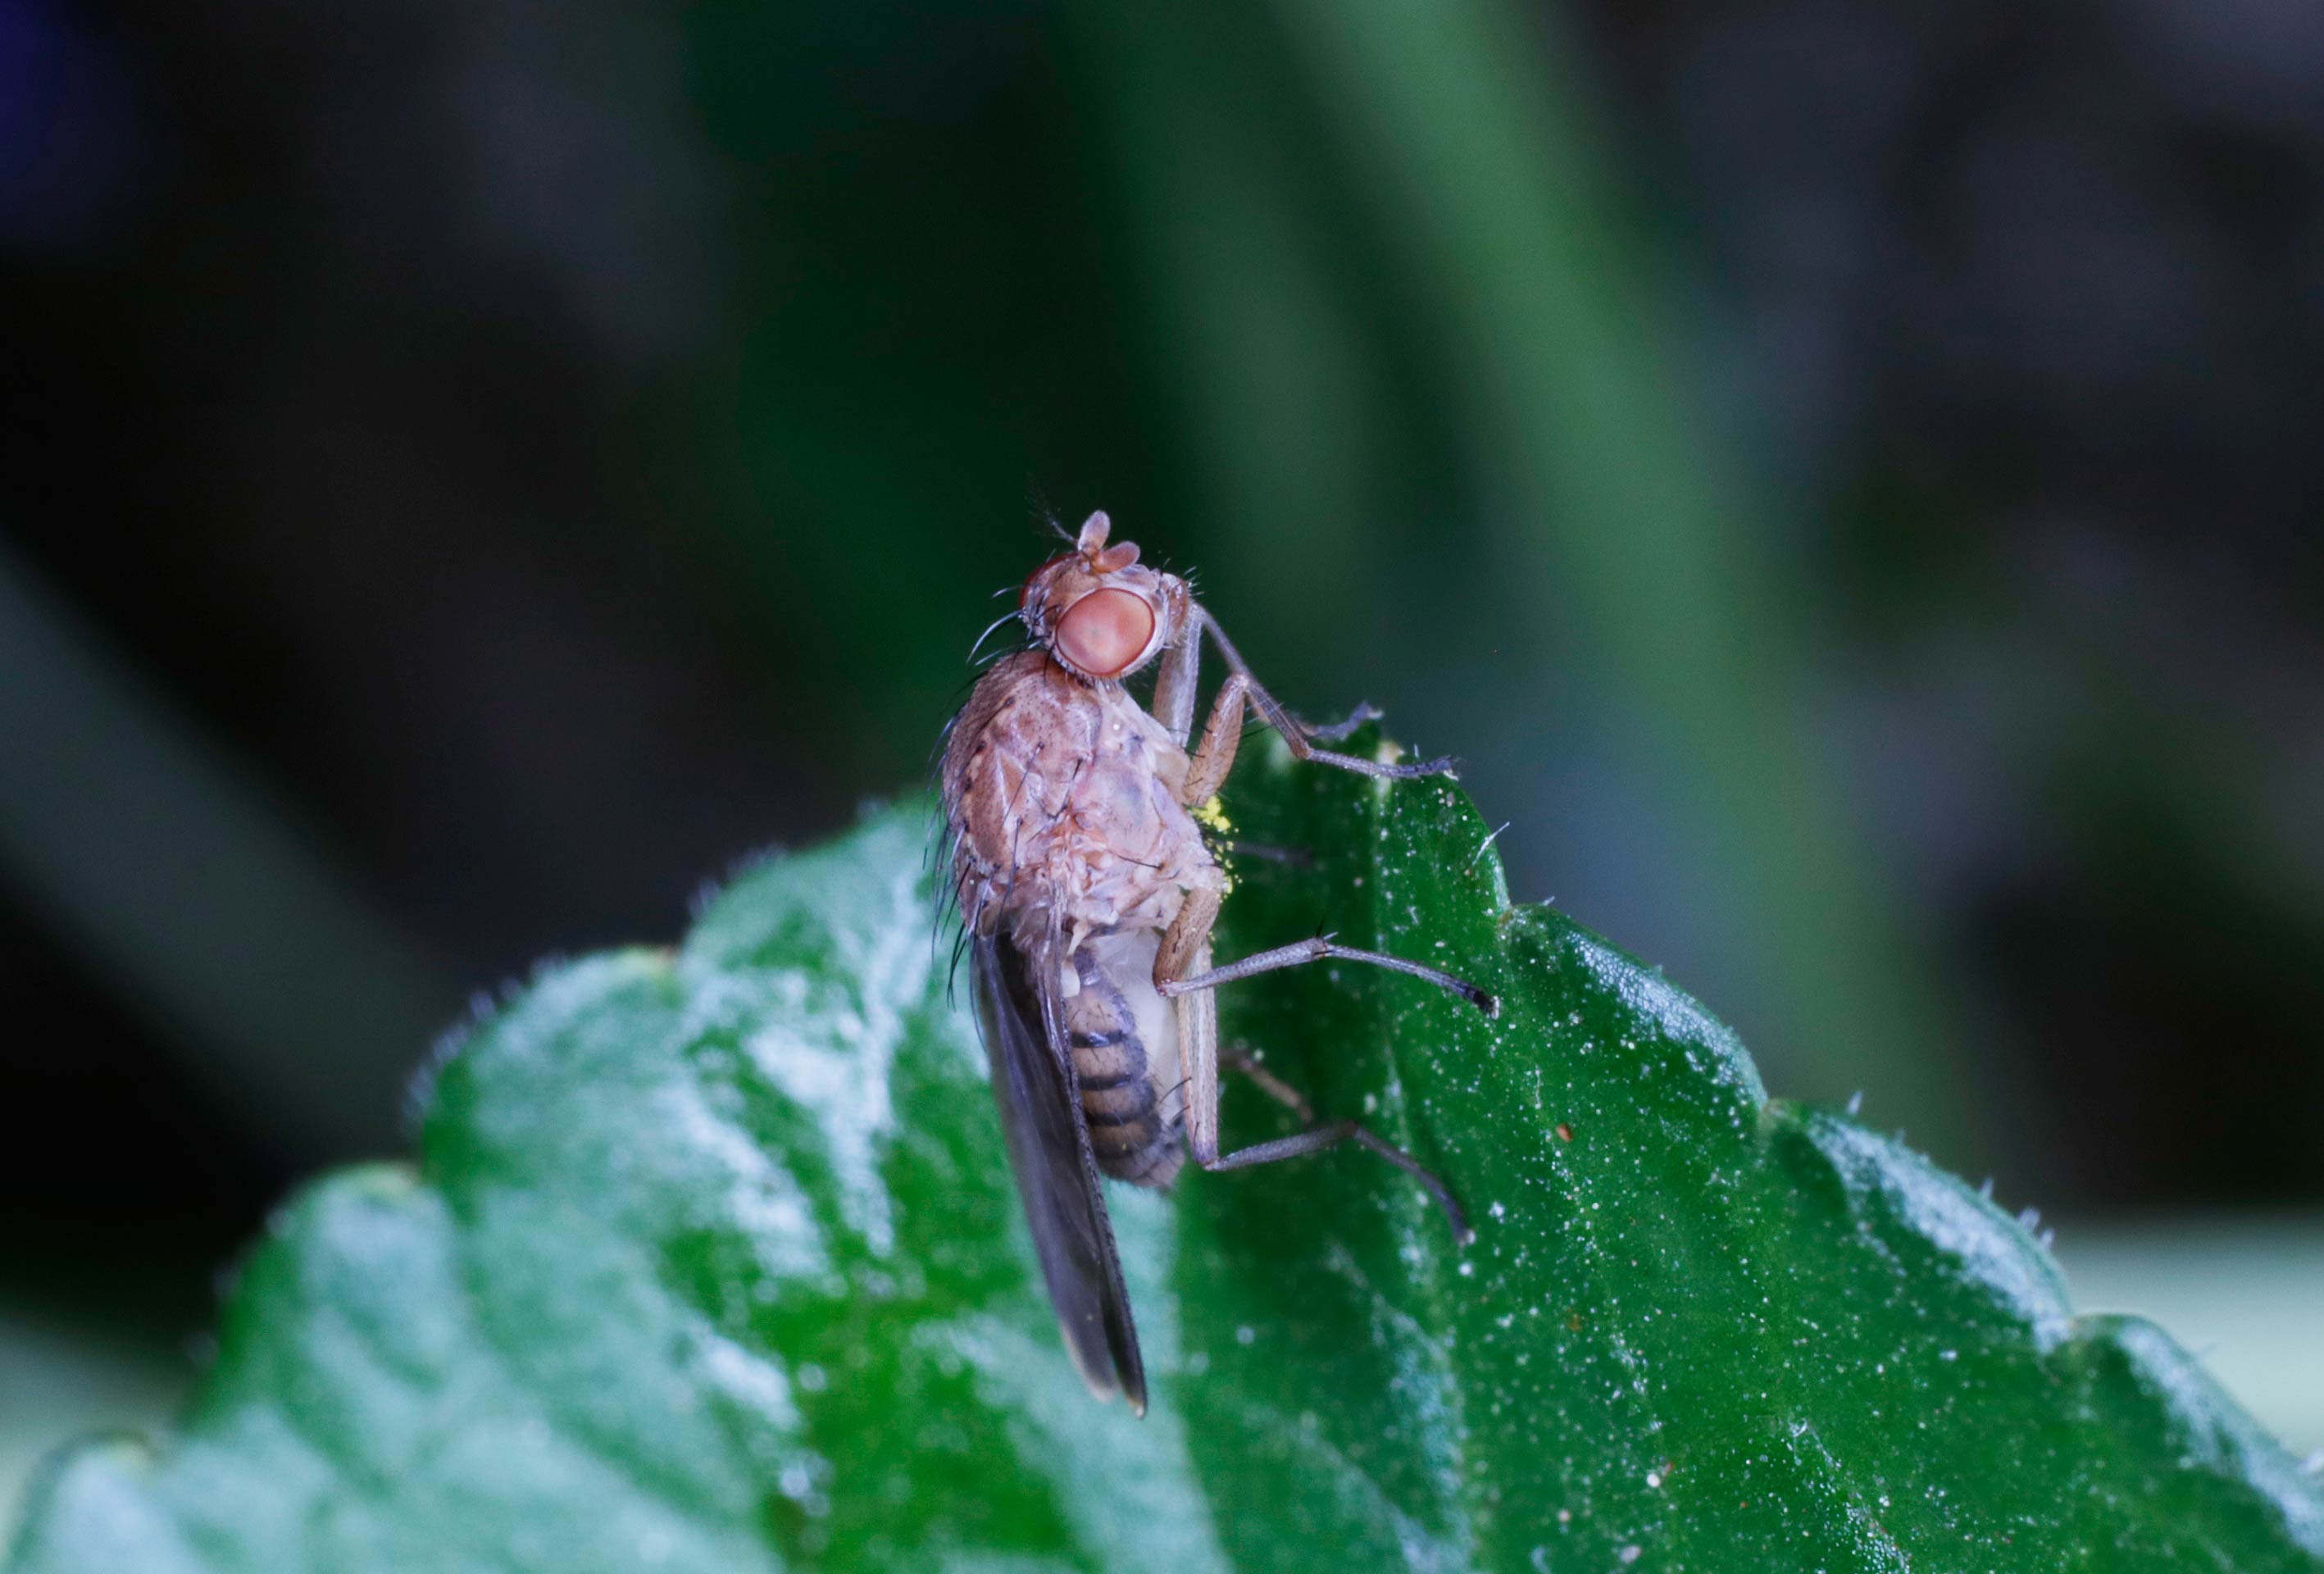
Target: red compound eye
[1106, 632]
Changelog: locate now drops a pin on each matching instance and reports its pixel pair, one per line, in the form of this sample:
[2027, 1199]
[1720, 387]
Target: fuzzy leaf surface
[710, 1260]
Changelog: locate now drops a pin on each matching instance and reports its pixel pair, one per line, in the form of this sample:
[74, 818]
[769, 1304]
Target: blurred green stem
[1556, 346]
[226, 925]
[1616, 536]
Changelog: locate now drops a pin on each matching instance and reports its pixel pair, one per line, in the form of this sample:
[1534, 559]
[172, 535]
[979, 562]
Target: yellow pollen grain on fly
[1212, 815]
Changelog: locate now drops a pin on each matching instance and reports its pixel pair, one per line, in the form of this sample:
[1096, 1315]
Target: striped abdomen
[1129, 1096]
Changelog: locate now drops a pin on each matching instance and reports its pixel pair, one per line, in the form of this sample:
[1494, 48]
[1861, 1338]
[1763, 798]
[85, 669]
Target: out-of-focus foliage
[625, 416]
[1838, 477]
[2242, 1290]
[711, 1261]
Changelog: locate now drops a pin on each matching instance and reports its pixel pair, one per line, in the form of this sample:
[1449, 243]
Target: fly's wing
[1056, 1173]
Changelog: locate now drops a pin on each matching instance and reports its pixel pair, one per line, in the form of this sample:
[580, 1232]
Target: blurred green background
[1845, 483]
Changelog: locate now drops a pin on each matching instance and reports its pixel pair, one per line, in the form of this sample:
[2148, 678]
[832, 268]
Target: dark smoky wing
[1056, 1173]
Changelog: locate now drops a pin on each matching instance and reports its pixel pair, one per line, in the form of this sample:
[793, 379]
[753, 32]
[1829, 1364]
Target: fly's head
[1098, 611]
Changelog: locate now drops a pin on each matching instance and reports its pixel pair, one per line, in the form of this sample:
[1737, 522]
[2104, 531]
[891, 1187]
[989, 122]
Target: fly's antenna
[1036, 498]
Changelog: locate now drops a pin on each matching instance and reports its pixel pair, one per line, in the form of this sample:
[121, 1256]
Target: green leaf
[710, 1262]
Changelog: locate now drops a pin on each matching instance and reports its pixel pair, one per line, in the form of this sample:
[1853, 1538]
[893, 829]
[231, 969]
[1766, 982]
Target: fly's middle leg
[1180, 970]
[1331, 1134]
[1320, 949]
[1187, 941]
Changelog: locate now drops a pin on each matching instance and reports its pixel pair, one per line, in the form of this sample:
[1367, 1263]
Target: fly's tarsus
[1441, 766]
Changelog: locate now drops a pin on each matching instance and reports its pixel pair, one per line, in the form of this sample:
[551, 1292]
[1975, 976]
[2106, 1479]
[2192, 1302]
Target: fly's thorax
[1063, 794]
[1123, 1037]
[1135, 851]
[1027, 733]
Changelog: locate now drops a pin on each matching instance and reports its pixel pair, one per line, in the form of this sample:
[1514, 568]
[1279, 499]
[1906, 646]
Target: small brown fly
[1087, 896]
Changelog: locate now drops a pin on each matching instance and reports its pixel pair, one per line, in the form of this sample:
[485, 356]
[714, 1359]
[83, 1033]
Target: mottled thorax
[1063, 804]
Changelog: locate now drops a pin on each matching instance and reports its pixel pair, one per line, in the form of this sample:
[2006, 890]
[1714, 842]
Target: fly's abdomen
[1133, 1123]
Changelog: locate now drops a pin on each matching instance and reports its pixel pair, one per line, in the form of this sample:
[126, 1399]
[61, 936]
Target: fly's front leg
[1222, 736]
[1317, 1138]
[1297, 733]
[1174, 689]
[1338, 731]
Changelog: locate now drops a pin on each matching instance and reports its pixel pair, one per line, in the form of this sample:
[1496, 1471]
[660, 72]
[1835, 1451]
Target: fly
[1087, 898]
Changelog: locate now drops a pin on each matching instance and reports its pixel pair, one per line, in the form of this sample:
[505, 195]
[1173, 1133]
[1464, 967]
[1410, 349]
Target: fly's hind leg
[1331, 1134]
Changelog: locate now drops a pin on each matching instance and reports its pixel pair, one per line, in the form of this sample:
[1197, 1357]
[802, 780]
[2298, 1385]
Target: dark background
[1847, 486]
